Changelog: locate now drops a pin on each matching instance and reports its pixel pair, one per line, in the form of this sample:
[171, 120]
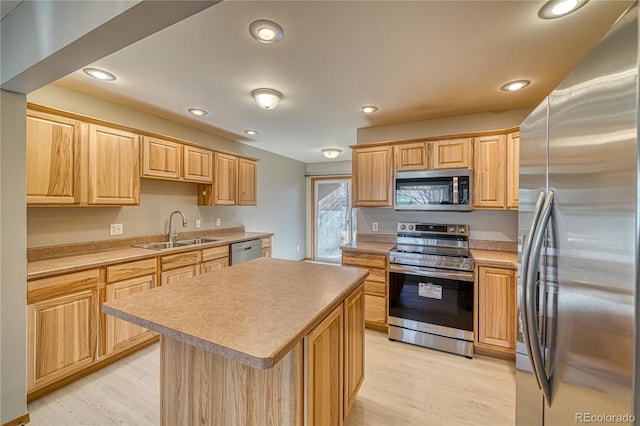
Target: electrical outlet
[116, 229]
[375, 226]
[197, 223]
[218, 222]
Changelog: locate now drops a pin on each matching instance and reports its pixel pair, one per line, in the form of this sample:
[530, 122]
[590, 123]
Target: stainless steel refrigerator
[577, 355]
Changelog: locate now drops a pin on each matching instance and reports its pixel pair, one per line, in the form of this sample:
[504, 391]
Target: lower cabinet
[496, 311]
[334, 362]
[214, 259]
[266, 246]
[179, 267]
[62, 318]
[375, 286]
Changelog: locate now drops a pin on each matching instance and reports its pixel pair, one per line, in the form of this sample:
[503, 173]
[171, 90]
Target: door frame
[313, 206]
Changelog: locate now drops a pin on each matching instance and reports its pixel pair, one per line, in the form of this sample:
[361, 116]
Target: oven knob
[403, 227]
[452, 229]
[461, 230]
[410, 227]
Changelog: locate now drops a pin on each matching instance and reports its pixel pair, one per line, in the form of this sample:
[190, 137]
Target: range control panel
[433, 228]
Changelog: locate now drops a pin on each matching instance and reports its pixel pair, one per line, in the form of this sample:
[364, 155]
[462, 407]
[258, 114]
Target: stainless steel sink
[179, 243]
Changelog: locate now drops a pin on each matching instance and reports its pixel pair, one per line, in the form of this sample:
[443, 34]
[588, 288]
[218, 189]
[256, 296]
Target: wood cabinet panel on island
[372, 176]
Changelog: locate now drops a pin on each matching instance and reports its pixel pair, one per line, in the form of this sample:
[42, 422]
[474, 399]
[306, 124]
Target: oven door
[432, 300]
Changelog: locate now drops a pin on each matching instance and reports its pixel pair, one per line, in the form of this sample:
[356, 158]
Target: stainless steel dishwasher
[245, 250]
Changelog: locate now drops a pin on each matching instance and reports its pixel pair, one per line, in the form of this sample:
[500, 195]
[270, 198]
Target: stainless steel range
[431, 287]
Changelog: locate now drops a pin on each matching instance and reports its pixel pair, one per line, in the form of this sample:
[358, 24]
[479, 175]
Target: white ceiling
[415, 60]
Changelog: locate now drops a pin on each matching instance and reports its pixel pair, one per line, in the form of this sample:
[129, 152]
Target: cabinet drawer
[56, 286]
[377, 275]
[173, 261]
[215, 253]
[375, 309]
[131, 270]
[366, 260]
[371, 287]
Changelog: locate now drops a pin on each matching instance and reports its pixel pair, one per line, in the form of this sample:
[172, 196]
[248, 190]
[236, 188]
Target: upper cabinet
[226, 180]
[452, 154]
[71, 162]
[164, 159]
[247, 182]
[410, 156]
[53, 159]
[372, 176]
[114, 170]
[490, 172]
[513, 169]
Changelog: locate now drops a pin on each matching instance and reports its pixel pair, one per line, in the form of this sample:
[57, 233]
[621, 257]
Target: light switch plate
[218, 222]
[116, 229]
[197, 223]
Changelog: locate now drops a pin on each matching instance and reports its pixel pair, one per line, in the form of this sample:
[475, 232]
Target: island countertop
[253, 313]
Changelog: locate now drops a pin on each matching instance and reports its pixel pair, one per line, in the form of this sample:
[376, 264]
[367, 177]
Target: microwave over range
[433, 190]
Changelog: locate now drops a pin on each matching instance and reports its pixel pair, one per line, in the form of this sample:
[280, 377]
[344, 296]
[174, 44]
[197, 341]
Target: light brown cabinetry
[247, 182]
[226, 179]
[214, 259]
[124, 280]
[411, 156]
[496, 310]
[114, 169]
[197, 164]
[513, 169]
[53, 159]
[375, 286]
[266, 246]
[452, 154]
[353, 347]
[323, 348]
[62, 315]
[372, 176]
[160, 158]
[490, 172]
[179, 267]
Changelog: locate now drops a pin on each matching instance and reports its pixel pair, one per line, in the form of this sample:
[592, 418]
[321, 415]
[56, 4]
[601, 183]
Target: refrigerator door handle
[527, 242]
[535, 355]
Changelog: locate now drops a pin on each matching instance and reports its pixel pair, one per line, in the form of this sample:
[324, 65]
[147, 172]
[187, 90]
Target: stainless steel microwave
[433, 190]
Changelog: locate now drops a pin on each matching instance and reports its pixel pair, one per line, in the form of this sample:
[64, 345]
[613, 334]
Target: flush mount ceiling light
[197, 111]
[369, 109]
[251, 132]
[267, 98]
[266, 31]
[331, 153]
[557, 8]
[99, 74]
[513, 86]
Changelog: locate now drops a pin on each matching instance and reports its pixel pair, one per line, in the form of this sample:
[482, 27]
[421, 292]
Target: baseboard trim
[22, 420]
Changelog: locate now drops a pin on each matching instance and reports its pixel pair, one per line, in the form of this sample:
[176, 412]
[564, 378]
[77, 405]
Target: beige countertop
[368, 246]
[496, 257]
[253, 313]
[67, 264]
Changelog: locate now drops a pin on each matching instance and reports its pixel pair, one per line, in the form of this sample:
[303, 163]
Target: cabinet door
[489, 172]
[247, 182]
[178, 275]
[121, 334]
[452, 154]
[266, 247]
[114, 169]
[53, 159]
[375, 312]
[411, 156]
[513, 169]
[160, 158]
[226, 178]
[497, 307]
[61, 337]
[372, 176]
[353, 346]
[198, 164]
[214, 265]
[323, 348]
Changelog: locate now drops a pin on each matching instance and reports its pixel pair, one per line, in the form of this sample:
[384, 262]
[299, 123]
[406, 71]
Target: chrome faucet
[173, 234]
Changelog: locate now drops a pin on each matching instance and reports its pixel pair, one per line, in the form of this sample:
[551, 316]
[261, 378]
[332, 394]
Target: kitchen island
[268, 341]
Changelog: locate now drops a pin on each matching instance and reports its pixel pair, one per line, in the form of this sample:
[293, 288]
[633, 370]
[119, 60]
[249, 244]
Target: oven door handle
[428, 272]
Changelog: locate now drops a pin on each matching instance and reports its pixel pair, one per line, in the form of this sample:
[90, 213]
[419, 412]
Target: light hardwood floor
[404, 385]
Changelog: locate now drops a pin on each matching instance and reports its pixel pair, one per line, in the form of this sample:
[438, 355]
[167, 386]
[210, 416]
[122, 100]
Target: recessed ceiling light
[267, 98]
[513, 86]
[557, 8]
[251, 132]
[99, 74]
[197, 111]
[369, 109]
[331, 153]
[266, 31]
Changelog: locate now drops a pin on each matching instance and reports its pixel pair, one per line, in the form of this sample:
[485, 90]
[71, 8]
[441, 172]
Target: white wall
[496, 225]
[281, 205]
